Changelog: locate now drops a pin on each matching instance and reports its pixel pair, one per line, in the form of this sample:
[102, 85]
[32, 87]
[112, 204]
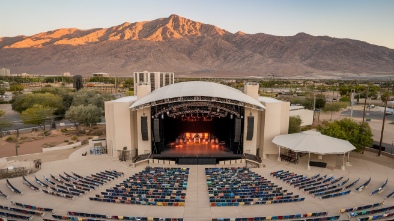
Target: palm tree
[384, 97]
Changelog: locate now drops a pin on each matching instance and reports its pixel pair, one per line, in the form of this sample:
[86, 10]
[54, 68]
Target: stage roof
[197, 91]
[313, 142]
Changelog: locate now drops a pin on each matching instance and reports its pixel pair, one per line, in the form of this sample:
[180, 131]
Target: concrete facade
[124, 124]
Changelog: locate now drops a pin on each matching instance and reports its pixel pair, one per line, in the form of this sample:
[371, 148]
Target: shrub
[70, 142]
[65, 141]
[63, 130]
[74, 138]
[10, 139]
[84, 142]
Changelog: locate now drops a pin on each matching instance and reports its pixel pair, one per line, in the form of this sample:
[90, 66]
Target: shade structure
[197, 90]
[313, 142]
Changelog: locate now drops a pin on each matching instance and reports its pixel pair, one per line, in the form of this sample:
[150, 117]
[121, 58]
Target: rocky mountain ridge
[190, 48]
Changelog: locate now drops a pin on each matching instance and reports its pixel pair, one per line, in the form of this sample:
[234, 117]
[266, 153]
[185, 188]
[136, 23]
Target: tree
[37, 115]
[86, 97]
[26, 101]
[294, 124]
[334, 107]
[3, 123]
[384, 97]
[358, 134]
[87, 115]
[16, 87]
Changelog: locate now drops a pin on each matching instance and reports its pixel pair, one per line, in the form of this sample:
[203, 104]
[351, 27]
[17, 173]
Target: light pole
[365, 102]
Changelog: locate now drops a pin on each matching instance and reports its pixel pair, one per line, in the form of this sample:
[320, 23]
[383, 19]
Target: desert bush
[70, 142]
[84, 142]
[74, 138]
[65, 141]
[10, 139]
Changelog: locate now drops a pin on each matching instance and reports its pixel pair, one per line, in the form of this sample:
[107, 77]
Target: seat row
[367, 212]
[328, 187]
[3, 195]
[140, 202]
[30, 185]
[307, 216]
[73, 218]
[252, 202]
[58, 194]
[15, 216]
[121, 217]
[360, 208]
[248, 199]
[381, 216]
[32, 207]
[12, 188]
[17, 210]
[343, 193]
[364, 185]
[380, 189]
[150, 199]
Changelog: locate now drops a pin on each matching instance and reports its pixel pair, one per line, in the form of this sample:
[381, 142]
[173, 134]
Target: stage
[197, 150]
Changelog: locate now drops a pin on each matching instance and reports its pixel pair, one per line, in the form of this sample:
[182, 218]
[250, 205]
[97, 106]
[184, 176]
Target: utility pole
[314, 107]
[351, 103]
[365, 102]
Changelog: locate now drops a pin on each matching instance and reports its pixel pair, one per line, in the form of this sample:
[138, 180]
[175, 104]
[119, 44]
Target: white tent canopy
[313, 142]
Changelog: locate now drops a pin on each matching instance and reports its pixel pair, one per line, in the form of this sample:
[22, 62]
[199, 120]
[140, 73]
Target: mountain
[190, 48]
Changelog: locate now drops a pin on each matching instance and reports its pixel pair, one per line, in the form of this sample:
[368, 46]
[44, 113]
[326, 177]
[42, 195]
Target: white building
[5, 72]
[154, 79]
[244, 121]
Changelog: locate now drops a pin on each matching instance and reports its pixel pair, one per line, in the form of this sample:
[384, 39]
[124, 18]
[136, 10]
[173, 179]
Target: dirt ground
[30, 143]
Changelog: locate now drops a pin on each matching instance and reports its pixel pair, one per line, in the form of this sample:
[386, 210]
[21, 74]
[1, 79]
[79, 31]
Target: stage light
[231, 116]
[162, 116]
[168, 113]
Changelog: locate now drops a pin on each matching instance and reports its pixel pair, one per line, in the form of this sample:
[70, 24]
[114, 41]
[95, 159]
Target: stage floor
[198, 150]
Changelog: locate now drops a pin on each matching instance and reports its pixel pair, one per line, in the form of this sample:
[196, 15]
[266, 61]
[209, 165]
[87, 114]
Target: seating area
[17, 210]
[307, 216]
[101, 216]
[69, 186]
[240, 186]
[320, 186]
[152, 186]
[32, 207]
[12, 188]
[380, 189]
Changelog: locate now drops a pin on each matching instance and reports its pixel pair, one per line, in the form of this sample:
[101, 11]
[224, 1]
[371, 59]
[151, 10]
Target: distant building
[100, 75]
[108, 88]
[155, 79]
[5, 72]
[67, 74]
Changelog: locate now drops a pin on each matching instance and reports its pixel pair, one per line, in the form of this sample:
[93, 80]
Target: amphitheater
[197, 204]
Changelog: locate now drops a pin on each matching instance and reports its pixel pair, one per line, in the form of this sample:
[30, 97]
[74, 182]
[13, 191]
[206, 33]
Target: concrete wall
[305, 115]
[119, 128]
[275, 121]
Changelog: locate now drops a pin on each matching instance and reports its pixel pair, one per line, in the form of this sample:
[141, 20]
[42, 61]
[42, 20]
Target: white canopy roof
[197, 88]
[313, 142]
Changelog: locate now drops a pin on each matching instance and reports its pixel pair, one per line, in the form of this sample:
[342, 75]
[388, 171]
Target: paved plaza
[197, 205]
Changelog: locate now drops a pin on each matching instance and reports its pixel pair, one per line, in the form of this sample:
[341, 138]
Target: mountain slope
[189, 48]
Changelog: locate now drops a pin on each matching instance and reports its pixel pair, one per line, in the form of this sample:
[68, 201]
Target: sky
[366, 20]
